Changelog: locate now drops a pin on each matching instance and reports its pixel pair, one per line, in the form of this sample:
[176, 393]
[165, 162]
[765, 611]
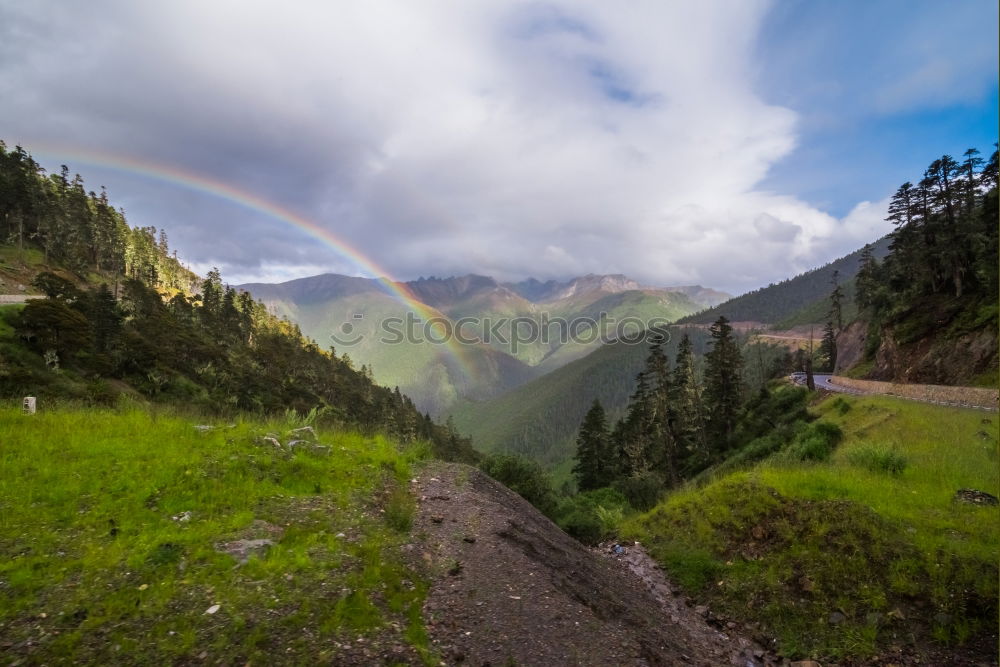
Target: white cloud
[513, 139]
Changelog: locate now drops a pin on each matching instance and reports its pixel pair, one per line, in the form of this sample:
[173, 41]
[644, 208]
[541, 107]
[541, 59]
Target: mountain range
[356, 316]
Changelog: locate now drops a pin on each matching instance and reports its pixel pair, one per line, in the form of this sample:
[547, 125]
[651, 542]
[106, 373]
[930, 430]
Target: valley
[361, 470]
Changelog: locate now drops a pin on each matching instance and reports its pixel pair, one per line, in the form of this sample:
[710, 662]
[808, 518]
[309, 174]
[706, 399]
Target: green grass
[95, 567]
[6, 330]
[872, 533]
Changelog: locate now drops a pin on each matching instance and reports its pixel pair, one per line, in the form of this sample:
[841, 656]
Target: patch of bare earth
[509, 587]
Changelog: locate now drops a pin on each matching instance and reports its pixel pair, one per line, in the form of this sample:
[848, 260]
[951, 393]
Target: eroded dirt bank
[510, 588]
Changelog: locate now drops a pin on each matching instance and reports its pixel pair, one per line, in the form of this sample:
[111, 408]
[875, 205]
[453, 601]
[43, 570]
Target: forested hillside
[783, 300]
[929, 309]
[121, 317]
[541, 418]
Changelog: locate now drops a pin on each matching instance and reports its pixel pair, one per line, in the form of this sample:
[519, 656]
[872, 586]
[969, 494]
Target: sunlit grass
[97, 561]
[884, 543]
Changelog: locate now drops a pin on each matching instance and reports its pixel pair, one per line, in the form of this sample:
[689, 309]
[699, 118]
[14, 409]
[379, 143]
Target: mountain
[785, 299]
[552, 290]
[521, 330]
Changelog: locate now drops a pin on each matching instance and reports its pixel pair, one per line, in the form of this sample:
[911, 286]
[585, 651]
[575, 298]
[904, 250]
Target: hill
[865, 550]
[784, 300]
[928, 311]
[123, 320]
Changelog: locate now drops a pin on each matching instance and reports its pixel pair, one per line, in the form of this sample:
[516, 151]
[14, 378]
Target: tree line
[945, 238]
[678, 421]
[147, 327]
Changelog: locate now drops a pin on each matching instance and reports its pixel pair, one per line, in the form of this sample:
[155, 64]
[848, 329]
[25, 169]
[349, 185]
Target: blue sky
[882, 88]
[730, 143]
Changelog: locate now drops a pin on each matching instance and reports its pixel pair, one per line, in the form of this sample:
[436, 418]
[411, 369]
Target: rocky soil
[509, 587]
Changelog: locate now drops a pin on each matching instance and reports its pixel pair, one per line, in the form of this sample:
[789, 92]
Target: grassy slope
[788, 545]
[94, 567]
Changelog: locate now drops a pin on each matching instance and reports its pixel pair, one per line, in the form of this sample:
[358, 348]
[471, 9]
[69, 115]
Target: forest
[123, 319]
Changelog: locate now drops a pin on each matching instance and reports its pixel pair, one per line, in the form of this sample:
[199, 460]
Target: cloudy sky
[728, 143]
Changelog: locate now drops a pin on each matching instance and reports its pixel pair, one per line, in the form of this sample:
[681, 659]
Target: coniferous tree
[828, 347]
[689, 408]
[595, 464]
[723, 384]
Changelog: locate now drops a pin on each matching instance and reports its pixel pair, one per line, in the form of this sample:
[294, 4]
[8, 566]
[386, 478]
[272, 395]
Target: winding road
[825, 381]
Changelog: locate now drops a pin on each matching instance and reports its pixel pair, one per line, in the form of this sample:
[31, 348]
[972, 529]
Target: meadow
[113, 527]
[845, 557]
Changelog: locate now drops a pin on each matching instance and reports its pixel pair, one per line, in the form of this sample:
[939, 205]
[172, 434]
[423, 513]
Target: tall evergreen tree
[595, 462]
[689, 425]
[723, 384]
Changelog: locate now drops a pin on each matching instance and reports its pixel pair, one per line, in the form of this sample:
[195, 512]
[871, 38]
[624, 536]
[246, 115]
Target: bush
[525, 478]
[594, 515]
[814, 443]
[878, 458]
[641, 491]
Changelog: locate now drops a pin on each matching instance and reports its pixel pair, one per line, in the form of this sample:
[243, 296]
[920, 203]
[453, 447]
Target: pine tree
[595, 466]
[836, 302]
[828, 347]
[663, 449]
[689, 427]
[723, 384]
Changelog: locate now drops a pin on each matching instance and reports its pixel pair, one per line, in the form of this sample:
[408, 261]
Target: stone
[242, 550]
[268, 440]
[836, 618]
[701, 610]
[214, 608]
[301, 431]
[976, 497]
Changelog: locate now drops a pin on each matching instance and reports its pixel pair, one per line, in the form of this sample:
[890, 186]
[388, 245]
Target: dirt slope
[510, 588]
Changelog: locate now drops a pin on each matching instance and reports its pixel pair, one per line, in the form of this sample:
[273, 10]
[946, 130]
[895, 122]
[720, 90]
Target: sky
[727, 144]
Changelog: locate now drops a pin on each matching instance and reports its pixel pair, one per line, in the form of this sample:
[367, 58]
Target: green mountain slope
[860, 552]
[322, 305]
[780, 301]
[541, 418]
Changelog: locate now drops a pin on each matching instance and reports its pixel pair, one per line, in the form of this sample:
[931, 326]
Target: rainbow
[214, 187]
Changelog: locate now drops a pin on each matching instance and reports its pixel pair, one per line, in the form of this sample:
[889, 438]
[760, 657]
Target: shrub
[642, 491]
[878, 458]
[814, 443]
[525, 478]
[594, 515]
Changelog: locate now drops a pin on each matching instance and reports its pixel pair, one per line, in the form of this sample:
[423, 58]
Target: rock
[701, 610]
[836, 618]
[214, 608]
[183, 517]
[242, 550]
[203, 427]
[301, 431]
[268, 440]
[292, 444]
[320, 450]
[976, 497]
[807, 584]
[437, 519]
[469, 539]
